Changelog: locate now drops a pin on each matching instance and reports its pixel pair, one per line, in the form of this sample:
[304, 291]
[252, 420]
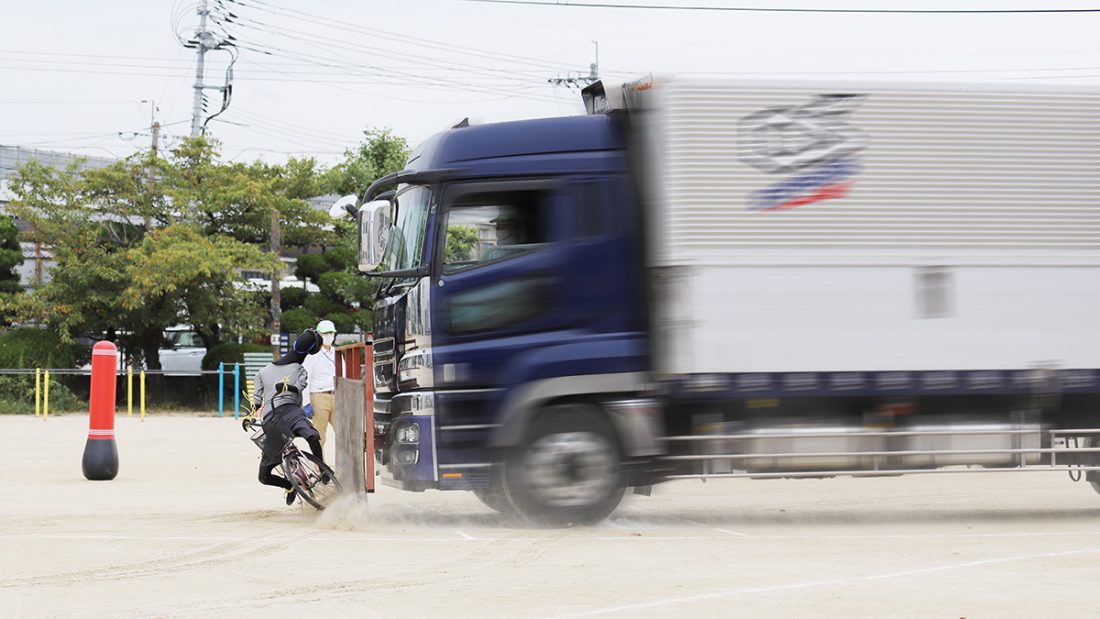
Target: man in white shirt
[319, 396]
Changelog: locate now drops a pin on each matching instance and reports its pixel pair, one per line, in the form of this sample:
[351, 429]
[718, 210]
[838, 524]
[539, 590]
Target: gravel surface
[187, 531]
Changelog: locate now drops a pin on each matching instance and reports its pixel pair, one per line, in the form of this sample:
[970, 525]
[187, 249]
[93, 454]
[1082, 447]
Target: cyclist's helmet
[308, 342]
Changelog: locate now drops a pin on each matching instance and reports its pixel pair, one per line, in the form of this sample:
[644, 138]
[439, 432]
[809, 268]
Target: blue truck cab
[514, 296]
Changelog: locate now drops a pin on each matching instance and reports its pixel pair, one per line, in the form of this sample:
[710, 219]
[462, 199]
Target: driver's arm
[258, 392]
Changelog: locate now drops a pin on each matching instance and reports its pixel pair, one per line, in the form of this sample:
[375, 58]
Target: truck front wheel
[493, 496]
[568, 469]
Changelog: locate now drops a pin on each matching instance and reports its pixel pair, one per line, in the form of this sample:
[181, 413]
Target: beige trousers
[324, 412]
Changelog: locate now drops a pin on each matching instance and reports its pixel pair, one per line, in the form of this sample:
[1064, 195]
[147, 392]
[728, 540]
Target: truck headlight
[409, 434]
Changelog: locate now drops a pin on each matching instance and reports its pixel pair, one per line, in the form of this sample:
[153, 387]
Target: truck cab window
[485, 228]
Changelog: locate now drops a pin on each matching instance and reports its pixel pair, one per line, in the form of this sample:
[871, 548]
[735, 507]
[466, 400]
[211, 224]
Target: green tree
[345, 295]
[150, 242]
[380, 153]
[11, 256]
[462, 244]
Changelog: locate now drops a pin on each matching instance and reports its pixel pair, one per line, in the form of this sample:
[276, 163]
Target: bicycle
[313, 480]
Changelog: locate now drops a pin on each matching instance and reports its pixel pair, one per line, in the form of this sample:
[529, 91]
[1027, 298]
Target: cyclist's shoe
[291, 496]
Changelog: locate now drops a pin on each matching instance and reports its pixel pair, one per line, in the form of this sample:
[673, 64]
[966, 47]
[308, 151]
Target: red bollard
[101, 452]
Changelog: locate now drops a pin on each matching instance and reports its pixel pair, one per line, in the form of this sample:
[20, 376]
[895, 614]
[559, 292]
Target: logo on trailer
[813, 141]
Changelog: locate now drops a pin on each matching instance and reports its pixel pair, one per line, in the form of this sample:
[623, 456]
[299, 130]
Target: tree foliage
[462, 243]
[11, 256]
[380, 153]
[345, 295]
[149, 242]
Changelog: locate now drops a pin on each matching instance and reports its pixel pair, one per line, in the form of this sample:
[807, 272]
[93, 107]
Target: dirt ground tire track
[219, 554]
[116, 570]
[440, 574]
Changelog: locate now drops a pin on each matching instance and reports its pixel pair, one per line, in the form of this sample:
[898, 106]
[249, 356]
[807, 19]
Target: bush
[364, 319]
[348, 288]
[17, 396]
[340, 257]
[311, 266]
[39, 348]
[291, 298]
[344, 323]
[298, 320]
[321, 305]
[230, 354]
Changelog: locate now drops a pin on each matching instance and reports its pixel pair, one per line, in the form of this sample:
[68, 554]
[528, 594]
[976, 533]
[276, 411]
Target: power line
[755, 9]
[178, 64]
[328, 45]
[349, 70]
[366, 71]
[403, 38]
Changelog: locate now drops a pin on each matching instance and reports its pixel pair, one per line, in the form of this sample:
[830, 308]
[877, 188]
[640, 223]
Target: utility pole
[154, 130]
[204, 41]
[156, 138]
[276, 297]
[37, 265]
[594, 68]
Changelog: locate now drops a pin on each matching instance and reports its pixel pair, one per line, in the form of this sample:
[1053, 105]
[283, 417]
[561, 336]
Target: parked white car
[185, 355]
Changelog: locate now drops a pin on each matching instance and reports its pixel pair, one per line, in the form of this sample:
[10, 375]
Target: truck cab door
[497, 295]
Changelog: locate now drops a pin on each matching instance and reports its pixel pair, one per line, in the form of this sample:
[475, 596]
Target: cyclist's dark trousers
[280, 425]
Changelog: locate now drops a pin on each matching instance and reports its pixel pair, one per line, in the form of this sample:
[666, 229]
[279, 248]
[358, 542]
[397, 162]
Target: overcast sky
[311, 76]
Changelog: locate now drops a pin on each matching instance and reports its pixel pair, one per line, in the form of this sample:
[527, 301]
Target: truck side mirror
[374, 233]
[343, 207]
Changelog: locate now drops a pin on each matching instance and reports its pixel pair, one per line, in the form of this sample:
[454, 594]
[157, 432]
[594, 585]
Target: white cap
[326, 326]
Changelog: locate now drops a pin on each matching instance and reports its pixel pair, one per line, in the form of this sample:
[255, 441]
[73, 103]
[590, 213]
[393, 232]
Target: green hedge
[17, 396]
[39, 348]
[230, 354]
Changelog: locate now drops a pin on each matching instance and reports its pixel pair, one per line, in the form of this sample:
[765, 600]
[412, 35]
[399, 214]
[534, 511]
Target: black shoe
[291, 496]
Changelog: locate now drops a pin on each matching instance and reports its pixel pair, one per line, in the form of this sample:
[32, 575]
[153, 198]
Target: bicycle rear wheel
[314, 480]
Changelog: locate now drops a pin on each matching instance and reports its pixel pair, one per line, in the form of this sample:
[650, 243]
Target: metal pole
[237, 391]
[368, 438]
[46, 396]
[276, 296]
[129, 390]
[196, 106]
[143, 395]
[37, 392]
[221, 389]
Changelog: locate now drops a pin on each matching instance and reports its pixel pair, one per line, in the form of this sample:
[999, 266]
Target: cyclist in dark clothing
[278, 397]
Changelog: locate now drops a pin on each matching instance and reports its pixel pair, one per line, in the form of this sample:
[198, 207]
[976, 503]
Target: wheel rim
[323, 492]
[570, 469]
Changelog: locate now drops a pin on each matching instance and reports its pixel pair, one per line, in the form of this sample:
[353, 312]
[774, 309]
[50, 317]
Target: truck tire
[567, 471]
[1093, 477]
[494, 497]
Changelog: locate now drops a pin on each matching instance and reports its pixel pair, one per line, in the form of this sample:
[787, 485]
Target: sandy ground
[186, 531]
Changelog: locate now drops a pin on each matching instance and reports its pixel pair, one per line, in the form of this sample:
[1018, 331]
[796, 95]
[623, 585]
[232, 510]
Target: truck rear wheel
[568, 469]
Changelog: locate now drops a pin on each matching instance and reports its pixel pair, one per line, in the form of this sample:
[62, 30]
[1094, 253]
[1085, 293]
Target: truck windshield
[410, 218]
